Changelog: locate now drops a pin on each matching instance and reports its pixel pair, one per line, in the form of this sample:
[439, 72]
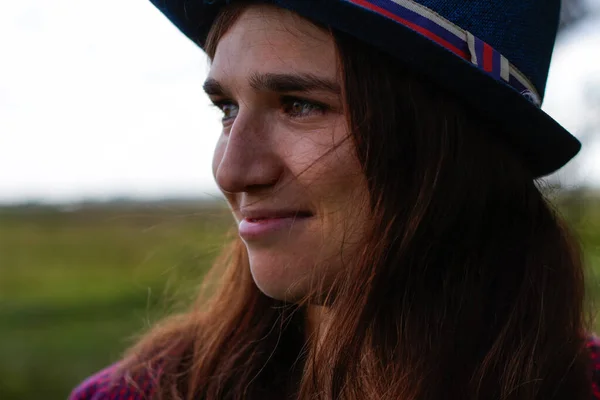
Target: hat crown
[523, 31]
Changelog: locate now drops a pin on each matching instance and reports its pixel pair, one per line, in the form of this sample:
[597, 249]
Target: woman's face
[285, 160]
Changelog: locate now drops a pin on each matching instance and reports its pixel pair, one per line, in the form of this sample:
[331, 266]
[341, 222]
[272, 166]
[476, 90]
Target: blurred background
[109, 215]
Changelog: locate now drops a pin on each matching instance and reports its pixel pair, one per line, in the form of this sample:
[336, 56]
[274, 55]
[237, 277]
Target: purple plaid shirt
[105, 385]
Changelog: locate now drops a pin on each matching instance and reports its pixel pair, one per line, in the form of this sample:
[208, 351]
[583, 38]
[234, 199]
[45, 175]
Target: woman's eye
[299, 108]
[229, 110]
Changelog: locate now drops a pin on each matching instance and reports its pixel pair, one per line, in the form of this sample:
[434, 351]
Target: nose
[246, 159]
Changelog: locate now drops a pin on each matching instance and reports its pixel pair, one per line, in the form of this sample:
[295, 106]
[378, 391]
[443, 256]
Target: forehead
[273, 40]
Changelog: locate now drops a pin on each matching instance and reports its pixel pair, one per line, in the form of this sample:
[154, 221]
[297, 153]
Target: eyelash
[285, 101]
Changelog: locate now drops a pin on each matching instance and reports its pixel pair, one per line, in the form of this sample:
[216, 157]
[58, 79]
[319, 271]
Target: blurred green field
[76, 284]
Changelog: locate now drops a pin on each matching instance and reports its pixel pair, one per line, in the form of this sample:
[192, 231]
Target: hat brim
[543, 144]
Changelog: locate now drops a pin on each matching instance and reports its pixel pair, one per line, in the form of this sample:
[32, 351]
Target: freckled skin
[267, 157]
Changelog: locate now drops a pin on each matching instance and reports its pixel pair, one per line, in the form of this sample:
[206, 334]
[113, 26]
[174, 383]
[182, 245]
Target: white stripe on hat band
[431, 15]
[507, 68]
[504, 68]
[471, 43]
[522, 78]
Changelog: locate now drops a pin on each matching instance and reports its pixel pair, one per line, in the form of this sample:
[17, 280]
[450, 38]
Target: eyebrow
[279, 83]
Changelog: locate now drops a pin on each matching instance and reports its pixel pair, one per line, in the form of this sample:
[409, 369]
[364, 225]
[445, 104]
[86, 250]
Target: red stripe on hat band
[488, 58]
[441, 41]
[435, 28]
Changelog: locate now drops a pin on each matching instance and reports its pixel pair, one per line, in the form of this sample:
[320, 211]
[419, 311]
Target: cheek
[345, 199]
[339, 178]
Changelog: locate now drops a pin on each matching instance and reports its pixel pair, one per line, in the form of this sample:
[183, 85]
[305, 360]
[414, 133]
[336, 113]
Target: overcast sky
[103, 99]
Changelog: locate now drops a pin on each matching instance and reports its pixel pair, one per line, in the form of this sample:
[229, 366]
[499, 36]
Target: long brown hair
[470, 286]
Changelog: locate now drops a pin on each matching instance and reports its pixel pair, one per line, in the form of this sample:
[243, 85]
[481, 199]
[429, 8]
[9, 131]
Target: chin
[280, 278]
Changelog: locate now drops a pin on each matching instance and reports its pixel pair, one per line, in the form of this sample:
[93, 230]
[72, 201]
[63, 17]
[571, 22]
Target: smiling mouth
[293, 215]
[261, 226]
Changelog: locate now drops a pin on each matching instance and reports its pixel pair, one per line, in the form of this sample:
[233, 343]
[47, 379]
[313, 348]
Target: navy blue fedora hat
[493, 54]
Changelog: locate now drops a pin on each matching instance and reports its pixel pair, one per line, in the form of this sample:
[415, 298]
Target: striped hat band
[455, 39]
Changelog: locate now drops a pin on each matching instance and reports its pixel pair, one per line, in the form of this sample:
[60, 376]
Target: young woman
[379, 158]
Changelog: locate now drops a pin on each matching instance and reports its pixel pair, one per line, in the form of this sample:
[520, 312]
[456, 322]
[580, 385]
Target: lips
[261, 215]
[265, 217]
[264, 226]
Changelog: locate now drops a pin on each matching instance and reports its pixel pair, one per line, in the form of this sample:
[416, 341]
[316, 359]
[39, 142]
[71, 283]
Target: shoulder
[593, 345]
[111, 384]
